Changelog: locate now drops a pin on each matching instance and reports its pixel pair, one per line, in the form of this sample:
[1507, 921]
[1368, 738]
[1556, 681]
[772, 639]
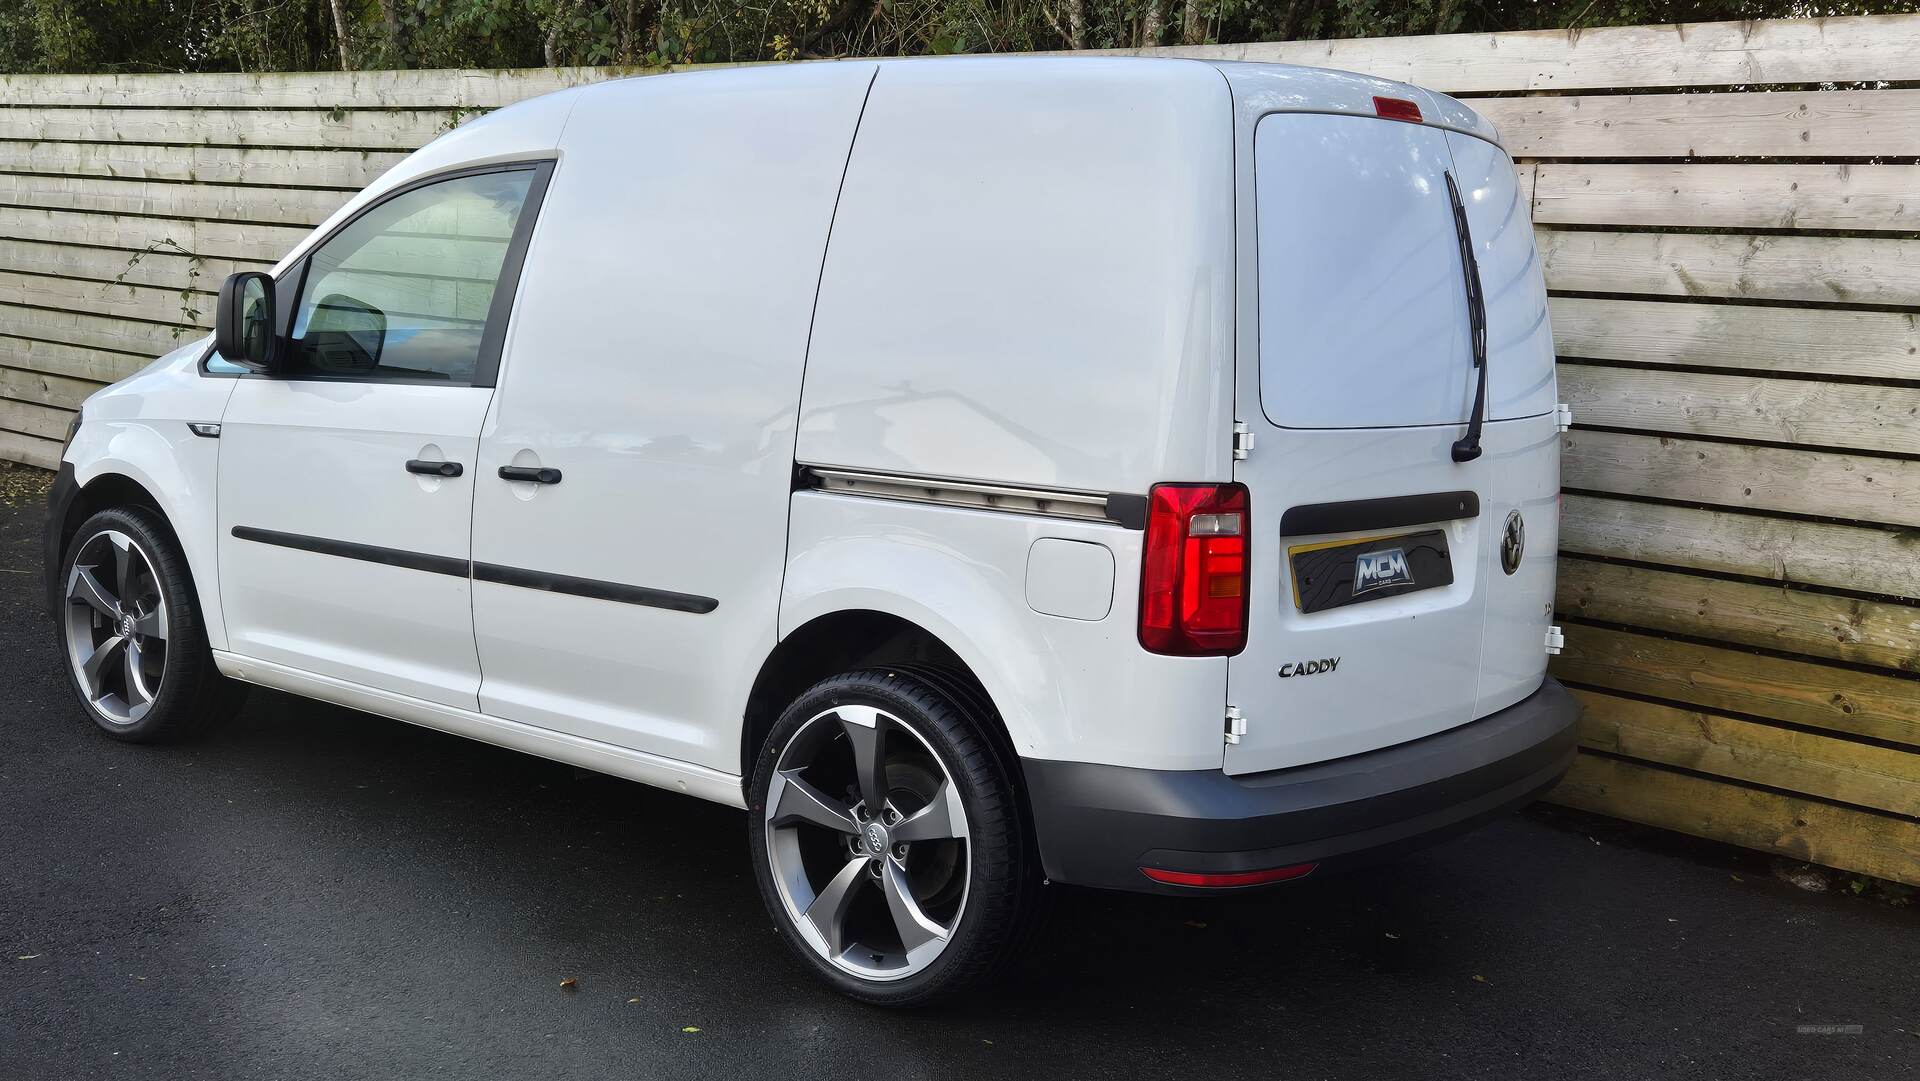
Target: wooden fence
[1729, 216]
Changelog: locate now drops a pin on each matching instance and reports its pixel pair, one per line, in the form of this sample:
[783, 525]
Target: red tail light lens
[1193, 578]
[1397, 109]
[1231, 879]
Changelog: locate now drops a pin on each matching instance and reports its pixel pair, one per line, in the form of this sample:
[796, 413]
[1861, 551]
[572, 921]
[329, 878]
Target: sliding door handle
[536, 474]
[433, 469]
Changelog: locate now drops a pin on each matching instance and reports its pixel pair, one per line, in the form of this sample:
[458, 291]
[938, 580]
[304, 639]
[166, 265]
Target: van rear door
[1522, 436]
[1369, 546]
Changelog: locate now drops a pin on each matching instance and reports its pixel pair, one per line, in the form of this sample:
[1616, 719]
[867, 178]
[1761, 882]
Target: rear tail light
[1193, 577]
[1396, 109]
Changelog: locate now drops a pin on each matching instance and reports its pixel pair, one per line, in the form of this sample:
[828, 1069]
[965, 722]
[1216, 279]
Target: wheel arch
[848, 639]
[132, 463]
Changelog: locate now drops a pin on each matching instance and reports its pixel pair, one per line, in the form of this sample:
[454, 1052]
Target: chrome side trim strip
[1112, 507]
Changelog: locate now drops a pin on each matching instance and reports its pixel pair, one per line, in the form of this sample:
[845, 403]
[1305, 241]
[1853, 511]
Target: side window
[404, 291]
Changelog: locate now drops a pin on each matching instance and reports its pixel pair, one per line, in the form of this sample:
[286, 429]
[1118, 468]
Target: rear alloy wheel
[887, 840]
[135, 648]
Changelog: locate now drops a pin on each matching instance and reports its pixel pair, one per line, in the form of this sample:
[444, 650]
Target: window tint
[403, 293]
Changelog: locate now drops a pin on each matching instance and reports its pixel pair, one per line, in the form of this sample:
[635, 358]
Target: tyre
[888, 841]
[129, 624]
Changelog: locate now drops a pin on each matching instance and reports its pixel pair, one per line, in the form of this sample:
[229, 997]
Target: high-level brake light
[1397, 109]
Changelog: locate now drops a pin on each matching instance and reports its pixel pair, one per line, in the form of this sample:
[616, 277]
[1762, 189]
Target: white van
[986, 472]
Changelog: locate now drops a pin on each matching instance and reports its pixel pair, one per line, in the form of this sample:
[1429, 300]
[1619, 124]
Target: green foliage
[301, 35]
[189, 296]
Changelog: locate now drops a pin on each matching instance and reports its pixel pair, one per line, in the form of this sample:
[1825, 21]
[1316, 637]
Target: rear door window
[1519, 338]
[1363, 315]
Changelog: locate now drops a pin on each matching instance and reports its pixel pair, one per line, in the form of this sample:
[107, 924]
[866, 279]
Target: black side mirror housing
[243, 325]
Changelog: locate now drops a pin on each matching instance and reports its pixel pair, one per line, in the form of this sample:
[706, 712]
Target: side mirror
[244, 321]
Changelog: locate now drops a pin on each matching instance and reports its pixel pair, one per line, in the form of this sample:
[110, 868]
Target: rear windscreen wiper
[1467, 447]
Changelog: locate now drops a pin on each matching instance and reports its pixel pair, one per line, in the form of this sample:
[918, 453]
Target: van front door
[346, 487]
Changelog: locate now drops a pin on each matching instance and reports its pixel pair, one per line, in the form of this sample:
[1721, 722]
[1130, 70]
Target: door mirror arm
[244, 326]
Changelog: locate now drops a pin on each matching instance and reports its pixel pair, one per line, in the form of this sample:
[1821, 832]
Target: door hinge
[1236, 725]
[1555, 641]
[1563, 416]
[1242, 440]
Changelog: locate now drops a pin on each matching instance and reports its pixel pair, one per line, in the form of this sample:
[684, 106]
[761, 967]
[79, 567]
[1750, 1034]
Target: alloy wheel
[115, 621]
[868, 843]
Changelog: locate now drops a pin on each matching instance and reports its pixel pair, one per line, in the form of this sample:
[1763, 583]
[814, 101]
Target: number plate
[1339, 573]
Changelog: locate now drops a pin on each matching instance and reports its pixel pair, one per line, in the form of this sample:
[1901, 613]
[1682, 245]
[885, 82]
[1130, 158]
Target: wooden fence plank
[1771, 617]
[1816, 341]
[213, 202]
[89, 331]
[1836, 769]
[254, 243]
[416, 89]
[1828, 485]
[262, 166]
[1805, 553]
[1855, 270]
[1876, 198]
[1805, 124]
[350, 128]
[28, 418]
[161, 269]
[1690, 54]
[42, 389]
[1872, 844]
[30, 450]
[1802, 411]
[108, 299]
[1799, 692]
[74, 361]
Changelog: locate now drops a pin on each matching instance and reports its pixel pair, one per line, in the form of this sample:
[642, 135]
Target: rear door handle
[534, 473]
[433, 469]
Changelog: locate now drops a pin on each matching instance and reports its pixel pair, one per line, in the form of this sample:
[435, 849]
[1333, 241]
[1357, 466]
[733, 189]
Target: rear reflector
[1224, 881]
[1193, 574]
[1397, 109]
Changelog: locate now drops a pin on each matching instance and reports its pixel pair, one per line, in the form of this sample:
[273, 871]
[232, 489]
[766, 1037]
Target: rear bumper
[1099, 825]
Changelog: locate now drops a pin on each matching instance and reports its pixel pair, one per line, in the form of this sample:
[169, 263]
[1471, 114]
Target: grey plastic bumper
[1098, 825]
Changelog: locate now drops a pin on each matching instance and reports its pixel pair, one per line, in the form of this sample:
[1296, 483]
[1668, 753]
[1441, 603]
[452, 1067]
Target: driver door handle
[433, 469]
[536, 474]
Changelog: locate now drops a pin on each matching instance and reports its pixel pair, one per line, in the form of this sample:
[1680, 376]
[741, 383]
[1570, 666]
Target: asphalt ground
[318, 893]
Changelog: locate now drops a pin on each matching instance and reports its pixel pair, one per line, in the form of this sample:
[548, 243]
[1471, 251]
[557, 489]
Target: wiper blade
[1467, 447]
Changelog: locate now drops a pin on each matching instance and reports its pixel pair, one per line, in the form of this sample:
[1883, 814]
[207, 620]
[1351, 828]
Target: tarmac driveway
[314, 892]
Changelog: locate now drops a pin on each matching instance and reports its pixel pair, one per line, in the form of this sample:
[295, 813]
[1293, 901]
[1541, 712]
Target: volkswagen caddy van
[986, 473]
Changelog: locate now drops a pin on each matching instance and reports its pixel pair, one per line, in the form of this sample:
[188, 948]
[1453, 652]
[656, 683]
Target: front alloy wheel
[116, 627]
[129, 625]
[886, 838]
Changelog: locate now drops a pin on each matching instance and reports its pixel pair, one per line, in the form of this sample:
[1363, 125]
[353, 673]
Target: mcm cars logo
[1378, 570]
